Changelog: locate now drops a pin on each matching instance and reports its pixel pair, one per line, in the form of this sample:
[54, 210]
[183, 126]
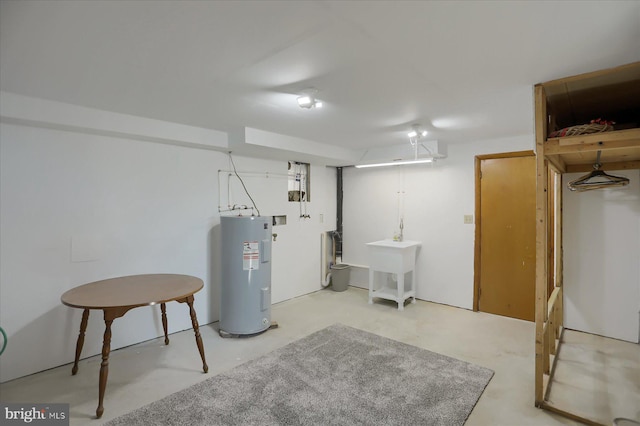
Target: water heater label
[250, 255]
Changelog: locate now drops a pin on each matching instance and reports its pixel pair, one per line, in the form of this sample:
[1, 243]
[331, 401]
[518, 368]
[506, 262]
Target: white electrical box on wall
[279, 220]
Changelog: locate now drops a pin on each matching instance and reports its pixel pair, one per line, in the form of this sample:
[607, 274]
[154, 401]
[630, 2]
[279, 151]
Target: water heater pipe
[326, 275]
[326, 281]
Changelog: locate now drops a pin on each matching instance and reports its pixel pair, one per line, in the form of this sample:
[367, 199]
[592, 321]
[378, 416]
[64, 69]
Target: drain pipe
[327, 280]
[338, 238]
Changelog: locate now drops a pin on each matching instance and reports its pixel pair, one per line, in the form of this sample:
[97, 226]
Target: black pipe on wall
[338, 238]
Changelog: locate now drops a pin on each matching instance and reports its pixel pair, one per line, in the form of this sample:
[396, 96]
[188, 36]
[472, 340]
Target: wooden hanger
[597, 179]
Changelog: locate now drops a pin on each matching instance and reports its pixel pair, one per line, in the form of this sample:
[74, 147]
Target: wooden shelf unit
[612, 94]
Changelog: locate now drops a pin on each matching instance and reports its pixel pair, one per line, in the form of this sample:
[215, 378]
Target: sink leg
[400, 276]
[413, 287]
[371, 276]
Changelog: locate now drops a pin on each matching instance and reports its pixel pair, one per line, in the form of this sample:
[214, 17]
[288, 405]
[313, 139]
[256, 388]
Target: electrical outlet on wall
[468, 219]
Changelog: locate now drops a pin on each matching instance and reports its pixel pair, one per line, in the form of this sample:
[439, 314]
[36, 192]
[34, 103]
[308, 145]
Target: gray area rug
[336, 376]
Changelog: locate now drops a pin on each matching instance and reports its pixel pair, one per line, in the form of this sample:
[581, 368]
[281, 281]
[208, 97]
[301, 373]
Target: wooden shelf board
[621, 148]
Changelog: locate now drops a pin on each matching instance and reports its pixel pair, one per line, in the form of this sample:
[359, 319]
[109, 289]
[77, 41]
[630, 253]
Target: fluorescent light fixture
[396, 163]
[414, 135]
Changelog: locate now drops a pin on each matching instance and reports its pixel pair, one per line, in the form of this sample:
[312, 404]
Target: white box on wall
[435, 148]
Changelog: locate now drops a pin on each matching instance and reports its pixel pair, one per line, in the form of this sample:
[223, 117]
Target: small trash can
[340, 276]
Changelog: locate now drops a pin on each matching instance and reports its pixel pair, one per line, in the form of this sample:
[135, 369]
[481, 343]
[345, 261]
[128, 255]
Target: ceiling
[464, 70]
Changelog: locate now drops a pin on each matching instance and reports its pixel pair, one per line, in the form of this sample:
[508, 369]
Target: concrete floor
[596, 377]
[148, 371]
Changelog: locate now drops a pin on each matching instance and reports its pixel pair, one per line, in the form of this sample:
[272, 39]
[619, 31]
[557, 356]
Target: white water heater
[245, 291]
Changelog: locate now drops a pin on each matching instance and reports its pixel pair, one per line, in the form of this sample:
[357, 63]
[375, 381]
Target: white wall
[77, 207]
[436, 199]
[601, 231]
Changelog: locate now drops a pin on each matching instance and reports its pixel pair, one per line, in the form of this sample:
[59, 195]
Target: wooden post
[541, 242]
[553, 329]
[559, 258]
[551, 230]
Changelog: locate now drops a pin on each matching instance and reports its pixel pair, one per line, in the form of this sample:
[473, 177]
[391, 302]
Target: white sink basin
[393, 256]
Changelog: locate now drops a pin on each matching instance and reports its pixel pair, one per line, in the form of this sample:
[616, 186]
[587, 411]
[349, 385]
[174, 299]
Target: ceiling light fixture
[308, 100]
[416, 133]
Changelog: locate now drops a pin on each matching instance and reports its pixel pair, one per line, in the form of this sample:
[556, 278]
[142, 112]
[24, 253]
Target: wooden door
[505, 272]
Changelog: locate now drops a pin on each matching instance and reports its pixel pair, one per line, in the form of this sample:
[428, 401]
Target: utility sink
[394, 257]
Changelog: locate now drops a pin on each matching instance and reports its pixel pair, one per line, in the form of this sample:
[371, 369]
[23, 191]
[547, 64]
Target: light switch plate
[468, 219]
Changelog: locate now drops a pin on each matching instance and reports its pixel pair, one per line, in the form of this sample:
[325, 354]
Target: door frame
[478, 235]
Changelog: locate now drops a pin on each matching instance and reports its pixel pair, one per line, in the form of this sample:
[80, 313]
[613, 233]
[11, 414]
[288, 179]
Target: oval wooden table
[116, 296]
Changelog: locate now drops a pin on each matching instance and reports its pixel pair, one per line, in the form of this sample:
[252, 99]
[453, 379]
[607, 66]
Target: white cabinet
[393, 257]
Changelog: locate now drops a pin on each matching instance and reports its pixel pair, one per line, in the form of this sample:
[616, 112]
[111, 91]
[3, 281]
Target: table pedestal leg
[163, 308]
[196, 330]
[80, 342]
[104, 366]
